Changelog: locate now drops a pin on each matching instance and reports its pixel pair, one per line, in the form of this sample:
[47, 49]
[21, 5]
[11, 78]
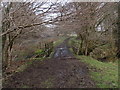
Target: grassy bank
[104, 74]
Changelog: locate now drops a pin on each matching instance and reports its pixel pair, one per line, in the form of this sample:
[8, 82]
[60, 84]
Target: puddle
[61, 52]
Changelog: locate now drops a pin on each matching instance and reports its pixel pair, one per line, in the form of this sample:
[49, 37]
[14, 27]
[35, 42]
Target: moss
[39, 51]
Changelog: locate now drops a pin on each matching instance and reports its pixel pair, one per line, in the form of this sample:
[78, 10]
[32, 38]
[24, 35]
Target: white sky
[60, 0]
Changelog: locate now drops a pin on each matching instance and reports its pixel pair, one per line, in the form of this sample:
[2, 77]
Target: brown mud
[63, 70]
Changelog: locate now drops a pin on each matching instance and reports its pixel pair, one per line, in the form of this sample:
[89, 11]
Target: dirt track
[63, 70]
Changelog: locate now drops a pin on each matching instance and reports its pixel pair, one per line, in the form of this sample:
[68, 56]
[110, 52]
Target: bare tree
[21, 18]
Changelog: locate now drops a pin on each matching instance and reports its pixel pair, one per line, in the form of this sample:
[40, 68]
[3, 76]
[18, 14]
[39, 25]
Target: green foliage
[39, 51]
[106, 75]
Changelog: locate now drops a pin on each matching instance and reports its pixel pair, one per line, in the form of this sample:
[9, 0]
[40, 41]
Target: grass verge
[59, 41]
[105, 75]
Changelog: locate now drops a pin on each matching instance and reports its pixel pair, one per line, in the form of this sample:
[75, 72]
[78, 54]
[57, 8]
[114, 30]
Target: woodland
[60, 44]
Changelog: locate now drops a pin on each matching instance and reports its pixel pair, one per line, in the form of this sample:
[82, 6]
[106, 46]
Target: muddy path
[63, 70]
[62, 51]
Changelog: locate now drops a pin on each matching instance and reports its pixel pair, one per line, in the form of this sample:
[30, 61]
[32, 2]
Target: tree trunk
[118, 40]
[81, 44]
[86, 48]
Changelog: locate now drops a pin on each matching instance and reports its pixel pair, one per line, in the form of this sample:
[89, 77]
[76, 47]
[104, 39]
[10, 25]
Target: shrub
[104, 53]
